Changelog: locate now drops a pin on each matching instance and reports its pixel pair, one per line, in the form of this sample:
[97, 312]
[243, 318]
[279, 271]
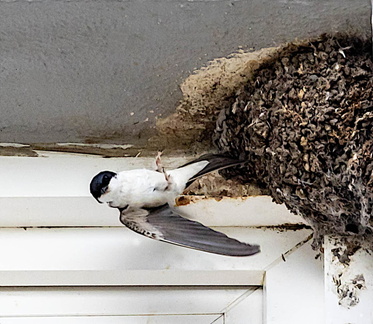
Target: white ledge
[85, 211]
[132, 278]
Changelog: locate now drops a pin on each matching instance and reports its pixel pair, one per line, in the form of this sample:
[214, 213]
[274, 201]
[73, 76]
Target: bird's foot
[158, 163]
[159, 167]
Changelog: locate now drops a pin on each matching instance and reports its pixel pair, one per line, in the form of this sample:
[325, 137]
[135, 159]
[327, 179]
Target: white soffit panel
[121, 249]
[248, 310]
[120, 319]
[114, 301]
[294, 289]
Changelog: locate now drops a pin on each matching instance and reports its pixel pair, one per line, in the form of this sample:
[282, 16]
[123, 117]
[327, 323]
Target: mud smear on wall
[205, 93]
[17, 150]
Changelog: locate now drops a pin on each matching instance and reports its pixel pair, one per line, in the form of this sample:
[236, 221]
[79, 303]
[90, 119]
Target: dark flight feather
[163, 224]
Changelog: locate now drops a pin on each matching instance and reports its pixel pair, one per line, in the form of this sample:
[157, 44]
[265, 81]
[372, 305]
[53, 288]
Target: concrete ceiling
[103, 71]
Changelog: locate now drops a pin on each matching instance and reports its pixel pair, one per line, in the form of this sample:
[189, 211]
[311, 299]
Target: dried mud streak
[18, 151]
[134, 151]
[205, 93]
[105, 152]
[304, 123]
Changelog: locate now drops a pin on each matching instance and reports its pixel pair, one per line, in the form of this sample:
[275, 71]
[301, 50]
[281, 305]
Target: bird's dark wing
[216, 162]
[163, 224]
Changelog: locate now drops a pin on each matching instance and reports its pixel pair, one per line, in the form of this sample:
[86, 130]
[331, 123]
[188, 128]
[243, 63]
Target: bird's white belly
[143, 188]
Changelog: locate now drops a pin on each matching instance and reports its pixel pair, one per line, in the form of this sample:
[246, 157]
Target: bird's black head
[99, 183]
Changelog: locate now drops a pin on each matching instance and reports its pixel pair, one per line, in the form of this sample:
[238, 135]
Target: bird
[145, 199]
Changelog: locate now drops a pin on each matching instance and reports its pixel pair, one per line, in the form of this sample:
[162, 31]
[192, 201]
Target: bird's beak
[102, 191]
[100, 202]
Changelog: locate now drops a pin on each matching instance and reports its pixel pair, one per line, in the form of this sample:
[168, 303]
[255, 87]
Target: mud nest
[304, 124]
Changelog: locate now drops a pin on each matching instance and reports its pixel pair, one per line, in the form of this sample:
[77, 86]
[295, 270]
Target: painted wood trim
[132, 278]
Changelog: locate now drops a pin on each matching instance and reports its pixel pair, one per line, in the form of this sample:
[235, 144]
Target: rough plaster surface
[103, 71]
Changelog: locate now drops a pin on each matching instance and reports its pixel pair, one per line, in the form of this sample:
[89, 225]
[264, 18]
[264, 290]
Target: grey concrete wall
[101, 70]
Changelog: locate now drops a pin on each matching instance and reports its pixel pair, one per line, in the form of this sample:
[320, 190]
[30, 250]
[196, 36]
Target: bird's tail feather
[216, 162]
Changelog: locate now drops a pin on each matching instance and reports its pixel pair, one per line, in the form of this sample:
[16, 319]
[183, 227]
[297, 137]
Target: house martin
[146, 199]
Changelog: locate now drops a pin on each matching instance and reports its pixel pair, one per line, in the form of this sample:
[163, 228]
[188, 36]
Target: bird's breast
[142, 188]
